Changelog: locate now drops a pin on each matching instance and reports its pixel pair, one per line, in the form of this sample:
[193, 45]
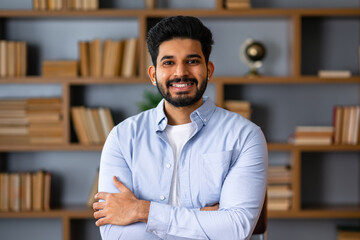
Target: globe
[252, 53]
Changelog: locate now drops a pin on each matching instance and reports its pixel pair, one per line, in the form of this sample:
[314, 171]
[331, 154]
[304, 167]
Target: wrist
[143, 210]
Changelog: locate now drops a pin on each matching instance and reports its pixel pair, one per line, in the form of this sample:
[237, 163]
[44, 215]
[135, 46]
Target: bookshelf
[294, 21]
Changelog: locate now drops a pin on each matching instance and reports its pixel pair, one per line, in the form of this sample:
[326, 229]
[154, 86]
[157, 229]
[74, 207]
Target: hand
[120, 208]
[210, 208]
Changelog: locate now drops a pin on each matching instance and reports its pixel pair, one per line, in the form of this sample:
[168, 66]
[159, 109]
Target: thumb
[120, 185]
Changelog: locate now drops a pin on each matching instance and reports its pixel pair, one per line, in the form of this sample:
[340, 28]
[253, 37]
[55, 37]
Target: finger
[99, 214]
[101, 221]
[98, 206]
[101, 195]
[120, 185]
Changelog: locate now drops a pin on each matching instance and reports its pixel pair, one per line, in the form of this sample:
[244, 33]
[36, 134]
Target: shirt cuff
[158, 219]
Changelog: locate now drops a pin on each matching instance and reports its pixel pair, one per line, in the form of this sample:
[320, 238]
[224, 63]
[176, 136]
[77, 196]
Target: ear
[152, 74]
[210, 69]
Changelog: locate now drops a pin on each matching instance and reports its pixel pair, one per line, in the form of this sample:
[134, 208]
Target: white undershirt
[178, 135]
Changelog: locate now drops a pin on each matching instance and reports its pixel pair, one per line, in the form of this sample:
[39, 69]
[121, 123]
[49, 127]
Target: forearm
[176, 222]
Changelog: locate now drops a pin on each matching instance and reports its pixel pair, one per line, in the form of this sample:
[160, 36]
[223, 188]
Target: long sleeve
[241, 200]
[113, 164]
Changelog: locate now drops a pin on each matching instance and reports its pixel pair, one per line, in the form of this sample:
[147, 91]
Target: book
[84, 49]
[95, 58]
[94, 136]
[65, 68]
[26, 191]
[278, 204]
[3, 58]
[4, 192]
[237, 5]
[79, 127]
[15, 191]
[47, 191]
[97, 121]
[337, 124]
[334, 73]
[38, 190]
[130, 57]
[11, 59]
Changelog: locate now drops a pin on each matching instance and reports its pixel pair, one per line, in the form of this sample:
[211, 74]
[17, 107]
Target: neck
[180, 115]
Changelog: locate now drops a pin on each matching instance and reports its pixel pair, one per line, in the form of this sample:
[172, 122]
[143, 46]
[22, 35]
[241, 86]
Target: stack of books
[13, 58]
[279, 188]
[111, 59]
[241, 107]
[34, 120]
[25, 191]
[55, 5]
[313, 135]
[92, 125]
[346, 122]
[237, 4]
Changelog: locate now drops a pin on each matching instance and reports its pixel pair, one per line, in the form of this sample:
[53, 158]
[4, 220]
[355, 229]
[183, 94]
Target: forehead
[180, 47]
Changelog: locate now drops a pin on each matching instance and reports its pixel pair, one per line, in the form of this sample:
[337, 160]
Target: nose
[181, 70]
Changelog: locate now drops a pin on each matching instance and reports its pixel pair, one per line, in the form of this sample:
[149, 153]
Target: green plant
[151, 100]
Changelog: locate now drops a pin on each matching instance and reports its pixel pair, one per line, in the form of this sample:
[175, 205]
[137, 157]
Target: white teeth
[181, 85]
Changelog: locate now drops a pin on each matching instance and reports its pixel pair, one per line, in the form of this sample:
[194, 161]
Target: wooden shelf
[49, 147]
[69, 212]
[126, 13]
[321, 212]
[284, 80]
[81, 147]
[73, 80]
[217, 79]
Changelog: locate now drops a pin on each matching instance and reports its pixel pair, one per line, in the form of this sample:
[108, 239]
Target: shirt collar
[202, 114]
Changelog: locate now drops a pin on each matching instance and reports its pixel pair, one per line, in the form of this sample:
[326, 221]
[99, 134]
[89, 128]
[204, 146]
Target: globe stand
[252, 53]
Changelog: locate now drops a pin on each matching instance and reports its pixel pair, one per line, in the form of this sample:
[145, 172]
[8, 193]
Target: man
[186, 169]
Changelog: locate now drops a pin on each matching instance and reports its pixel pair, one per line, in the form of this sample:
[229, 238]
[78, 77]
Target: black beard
[182, 100]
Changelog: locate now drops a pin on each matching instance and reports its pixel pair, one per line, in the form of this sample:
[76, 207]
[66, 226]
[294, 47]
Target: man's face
[181, 74]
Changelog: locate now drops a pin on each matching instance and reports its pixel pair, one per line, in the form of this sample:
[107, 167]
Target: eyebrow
[188, 56]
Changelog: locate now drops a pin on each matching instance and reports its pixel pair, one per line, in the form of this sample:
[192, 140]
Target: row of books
[25, 191]
[237, 4]
[313, 135]
[346, 121]
[110, 59]
[91, 125]
[55, 5]
[13, 58]
[33, 120]
[241, 107]
[279, 190]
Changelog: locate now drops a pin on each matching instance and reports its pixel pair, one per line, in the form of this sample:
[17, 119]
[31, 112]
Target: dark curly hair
[179, 27]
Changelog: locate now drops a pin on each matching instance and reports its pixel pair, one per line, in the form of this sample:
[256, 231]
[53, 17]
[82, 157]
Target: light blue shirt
[224, 161]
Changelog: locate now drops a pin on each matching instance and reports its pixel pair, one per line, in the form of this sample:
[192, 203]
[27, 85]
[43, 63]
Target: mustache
[183, 79]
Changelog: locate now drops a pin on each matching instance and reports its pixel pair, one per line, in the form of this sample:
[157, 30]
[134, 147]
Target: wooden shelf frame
[134, 13]
[294, 16]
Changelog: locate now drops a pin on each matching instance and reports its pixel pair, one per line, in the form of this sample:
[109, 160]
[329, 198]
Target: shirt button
[162, 197]
[154, 232]
[168, 165]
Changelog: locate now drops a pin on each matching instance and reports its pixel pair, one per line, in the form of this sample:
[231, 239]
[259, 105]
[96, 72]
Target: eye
[193, 61]
[168, 63]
